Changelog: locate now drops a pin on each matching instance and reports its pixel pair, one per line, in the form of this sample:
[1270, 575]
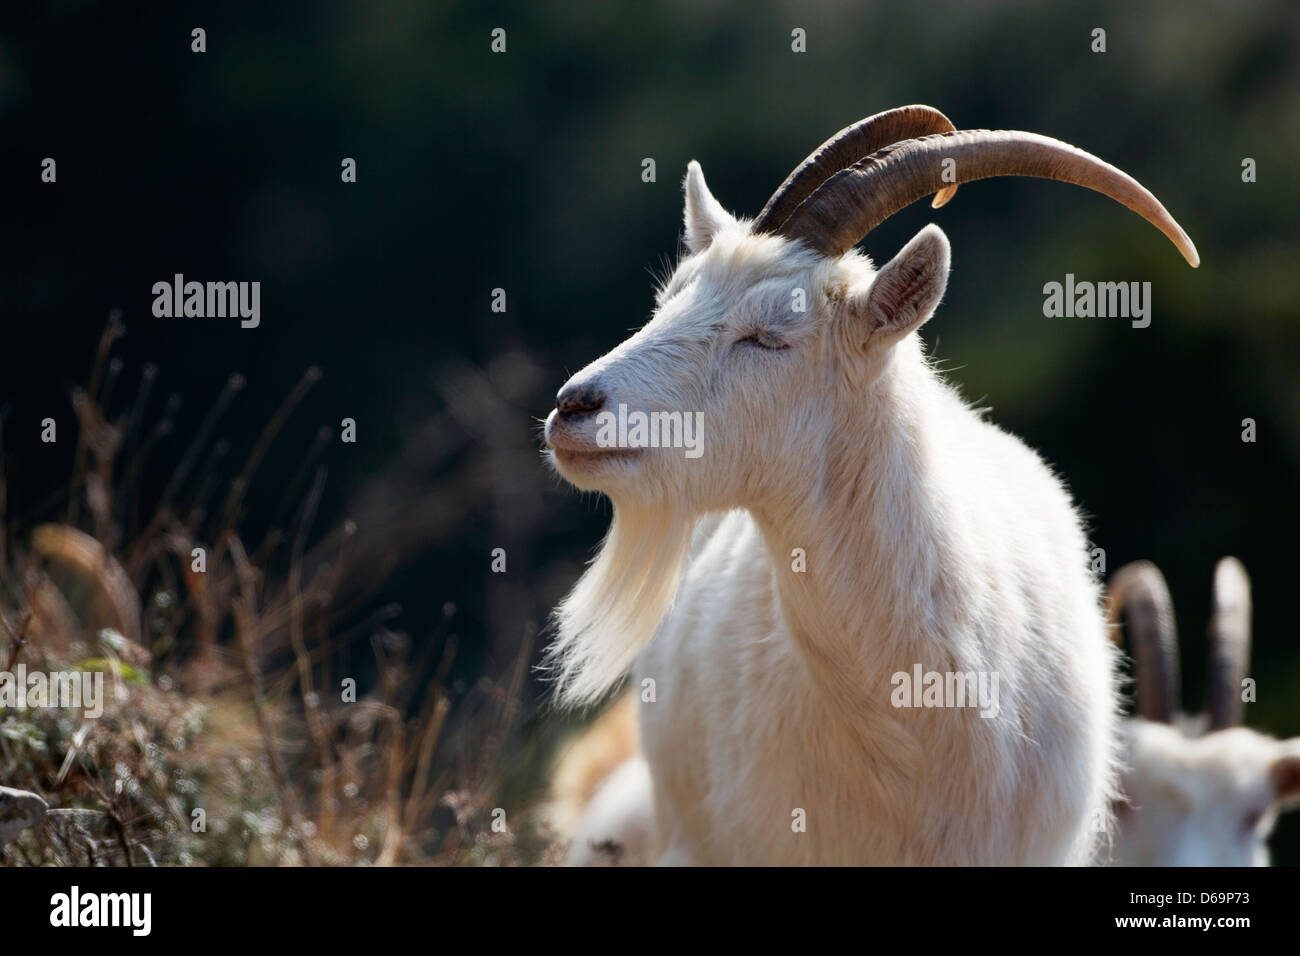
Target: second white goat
[1197, 791]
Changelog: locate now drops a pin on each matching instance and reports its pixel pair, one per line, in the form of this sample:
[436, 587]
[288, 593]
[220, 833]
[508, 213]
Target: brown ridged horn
[1138, 592]
[1229, 643]
[843, 150]
[855, 200]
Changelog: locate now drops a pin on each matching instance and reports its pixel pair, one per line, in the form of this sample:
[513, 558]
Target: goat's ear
[905, 292]
[704, 215]
[1285, 775]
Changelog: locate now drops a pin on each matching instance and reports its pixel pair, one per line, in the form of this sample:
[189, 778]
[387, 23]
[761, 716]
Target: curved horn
[855, 200]
[1138, 590]
[843, 150]
[1229, 643]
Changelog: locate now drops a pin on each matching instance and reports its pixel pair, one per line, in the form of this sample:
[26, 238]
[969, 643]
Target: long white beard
[616, 606]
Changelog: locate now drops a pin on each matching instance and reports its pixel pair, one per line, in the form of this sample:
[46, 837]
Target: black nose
[579, 398]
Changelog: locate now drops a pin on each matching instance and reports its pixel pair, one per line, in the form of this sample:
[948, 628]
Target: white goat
[851, 519]
[1192, 797]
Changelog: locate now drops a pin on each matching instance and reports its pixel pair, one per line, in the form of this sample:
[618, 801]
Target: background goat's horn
[843, 150]
[852, 202]
[1229, 643]
[1138, 591]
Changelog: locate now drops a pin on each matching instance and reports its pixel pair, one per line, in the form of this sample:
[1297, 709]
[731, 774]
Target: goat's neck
[870, 529]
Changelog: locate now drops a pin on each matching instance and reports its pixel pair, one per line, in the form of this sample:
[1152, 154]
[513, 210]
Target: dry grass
[205, 753]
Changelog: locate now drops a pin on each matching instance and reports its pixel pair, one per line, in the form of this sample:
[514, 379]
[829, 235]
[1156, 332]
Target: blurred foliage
[522, 171]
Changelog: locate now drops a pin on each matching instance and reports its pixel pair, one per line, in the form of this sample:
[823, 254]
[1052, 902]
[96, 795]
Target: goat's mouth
[592, 455]
[567, 454]
[579, 455]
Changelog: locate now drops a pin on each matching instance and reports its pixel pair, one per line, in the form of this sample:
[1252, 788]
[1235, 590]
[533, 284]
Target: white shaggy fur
[931, 537]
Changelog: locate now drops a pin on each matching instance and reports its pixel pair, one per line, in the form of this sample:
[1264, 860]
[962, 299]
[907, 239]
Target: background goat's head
[1192, 796]
[770, 334]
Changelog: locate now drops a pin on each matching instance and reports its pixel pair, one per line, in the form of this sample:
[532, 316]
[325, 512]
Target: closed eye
[763, 340]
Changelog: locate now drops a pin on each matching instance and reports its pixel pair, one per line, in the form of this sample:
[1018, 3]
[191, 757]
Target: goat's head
[762, 350]
[1193, 799]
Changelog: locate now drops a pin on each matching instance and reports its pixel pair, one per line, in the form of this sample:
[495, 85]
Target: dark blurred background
[522, 171]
